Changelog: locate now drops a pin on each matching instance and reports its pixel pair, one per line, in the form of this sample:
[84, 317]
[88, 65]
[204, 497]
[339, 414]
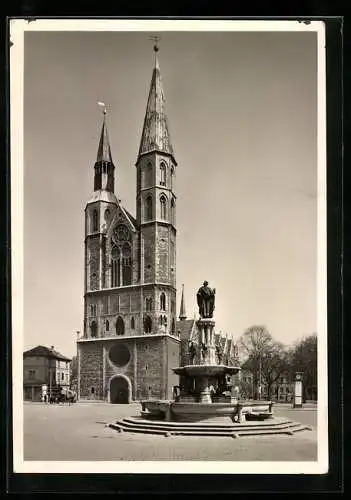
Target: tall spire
[155, 135]
[104, 168]
[182, 313]
[104, 149]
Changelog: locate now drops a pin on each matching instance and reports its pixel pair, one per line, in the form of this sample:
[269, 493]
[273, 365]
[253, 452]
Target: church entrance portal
[119, 390]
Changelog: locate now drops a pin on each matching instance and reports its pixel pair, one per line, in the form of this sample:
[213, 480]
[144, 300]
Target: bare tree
[303, 358]
[274, 363]
[255, 342]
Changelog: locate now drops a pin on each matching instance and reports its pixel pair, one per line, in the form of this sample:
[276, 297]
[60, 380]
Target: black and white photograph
[168, 190]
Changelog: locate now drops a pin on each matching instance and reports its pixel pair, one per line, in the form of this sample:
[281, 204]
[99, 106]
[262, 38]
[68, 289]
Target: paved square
[78, 433]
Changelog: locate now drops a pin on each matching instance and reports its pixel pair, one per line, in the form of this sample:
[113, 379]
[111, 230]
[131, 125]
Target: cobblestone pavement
[79, 433]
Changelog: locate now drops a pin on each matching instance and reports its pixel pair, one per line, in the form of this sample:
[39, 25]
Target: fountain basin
[188, 411]
[206, 370]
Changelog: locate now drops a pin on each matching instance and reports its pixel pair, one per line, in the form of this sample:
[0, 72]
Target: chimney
[52, 347]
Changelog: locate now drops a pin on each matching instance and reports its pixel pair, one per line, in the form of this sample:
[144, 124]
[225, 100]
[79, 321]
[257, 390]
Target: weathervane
[102, 105]
[155, 39]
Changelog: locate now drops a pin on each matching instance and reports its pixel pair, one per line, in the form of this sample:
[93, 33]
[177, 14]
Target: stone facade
[147, 367]
[130, 343]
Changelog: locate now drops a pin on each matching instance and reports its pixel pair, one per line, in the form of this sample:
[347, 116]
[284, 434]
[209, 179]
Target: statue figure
[206, 300]
[192, 351]
[219, 352]
[203, 350]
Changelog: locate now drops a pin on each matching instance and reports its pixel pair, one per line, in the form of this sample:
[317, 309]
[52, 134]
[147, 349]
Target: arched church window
[147, 324]
[163, 174]
[127, 264]
[120, 326]
[93, 329]
[163, 302]
[115, 266]
[107, 325]
[163, 204]
[107, 214]
[149, 174]
[173, 211]
[132, 323]
[173, 326]
[172, 178]
[148, 304]
[148, 208]
[95, 221]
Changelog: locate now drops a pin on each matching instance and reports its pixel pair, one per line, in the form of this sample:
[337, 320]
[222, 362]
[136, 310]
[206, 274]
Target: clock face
[121, 233]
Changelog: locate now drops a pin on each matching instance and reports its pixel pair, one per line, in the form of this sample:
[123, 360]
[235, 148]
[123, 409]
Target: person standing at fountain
[206, 300]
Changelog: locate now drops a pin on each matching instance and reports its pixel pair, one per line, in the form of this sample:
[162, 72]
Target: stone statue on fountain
[192, 351]
[206, 300]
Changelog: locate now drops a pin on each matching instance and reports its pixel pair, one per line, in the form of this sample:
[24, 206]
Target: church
[131, 338]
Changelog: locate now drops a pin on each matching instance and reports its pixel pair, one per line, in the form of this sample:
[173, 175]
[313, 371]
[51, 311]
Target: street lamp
[259, 377]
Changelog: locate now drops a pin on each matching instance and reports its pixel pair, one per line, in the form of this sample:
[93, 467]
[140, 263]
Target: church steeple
[182, 313]
[104, 149]
[155, 135]
[104, 167]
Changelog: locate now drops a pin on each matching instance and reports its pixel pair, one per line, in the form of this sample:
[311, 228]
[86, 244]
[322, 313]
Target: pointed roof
[44, 351]
[104, 149]
[182, 313]
[155, 135]
[185, 329]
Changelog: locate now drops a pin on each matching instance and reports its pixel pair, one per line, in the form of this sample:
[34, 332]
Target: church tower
[130, 342]
[156, 210]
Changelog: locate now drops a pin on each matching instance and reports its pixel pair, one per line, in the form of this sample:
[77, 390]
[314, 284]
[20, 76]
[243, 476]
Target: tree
[256, 343]
[303, 358]
[274, 363]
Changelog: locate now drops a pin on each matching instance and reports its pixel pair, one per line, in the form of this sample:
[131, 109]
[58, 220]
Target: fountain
[203, 407]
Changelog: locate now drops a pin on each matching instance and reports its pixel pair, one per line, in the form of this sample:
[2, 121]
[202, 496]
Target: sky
[242, 111]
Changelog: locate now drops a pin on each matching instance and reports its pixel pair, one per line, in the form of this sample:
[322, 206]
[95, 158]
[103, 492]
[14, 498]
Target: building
[130, 341]
[43, 366]
[131, 338]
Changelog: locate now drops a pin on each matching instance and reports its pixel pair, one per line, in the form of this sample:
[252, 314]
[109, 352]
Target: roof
[184, 328]
[41, 350]
[133, 220]
[155, 135]
[104, 149]
[102, 195]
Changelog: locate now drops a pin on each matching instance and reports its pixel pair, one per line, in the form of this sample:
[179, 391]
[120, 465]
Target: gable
[121, 216]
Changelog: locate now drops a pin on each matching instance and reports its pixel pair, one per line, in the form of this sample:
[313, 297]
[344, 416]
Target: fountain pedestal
[203, 390]
[206, 341]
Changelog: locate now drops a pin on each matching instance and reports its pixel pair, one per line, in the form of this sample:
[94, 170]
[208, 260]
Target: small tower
[182, 313]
